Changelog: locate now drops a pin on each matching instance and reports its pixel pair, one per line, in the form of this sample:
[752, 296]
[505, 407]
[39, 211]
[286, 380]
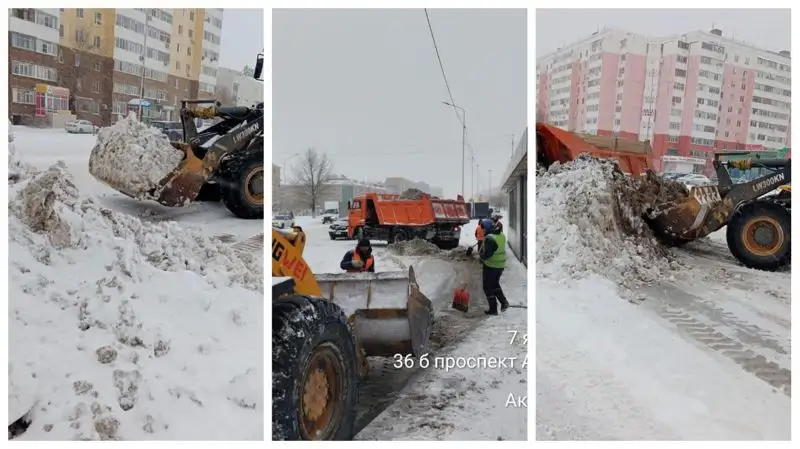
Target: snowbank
[128, 329]
[132, 156]
[588, 220]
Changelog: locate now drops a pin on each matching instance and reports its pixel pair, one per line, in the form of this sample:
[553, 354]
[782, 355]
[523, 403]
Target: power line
[441, 66]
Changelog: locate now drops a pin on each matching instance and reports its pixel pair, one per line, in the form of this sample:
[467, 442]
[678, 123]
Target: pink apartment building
[690, 95]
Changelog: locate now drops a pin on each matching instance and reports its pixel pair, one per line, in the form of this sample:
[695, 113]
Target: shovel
[470, 250]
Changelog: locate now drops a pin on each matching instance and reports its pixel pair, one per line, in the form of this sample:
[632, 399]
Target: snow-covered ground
[692, 346]
[42, 147]
[452, 403]
[123, 327]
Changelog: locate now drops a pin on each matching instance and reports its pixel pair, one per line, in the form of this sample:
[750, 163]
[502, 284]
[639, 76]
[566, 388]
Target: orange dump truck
[390, 217]
[557, 145]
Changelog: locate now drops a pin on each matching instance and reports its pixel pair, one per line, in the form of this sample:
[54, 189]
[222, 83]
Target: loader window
[355, 205]
[372, 214]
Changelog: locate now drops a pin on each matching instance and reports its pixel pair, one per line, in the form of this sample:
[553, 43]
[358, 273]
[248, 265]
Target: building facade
[515, 185]
[238, 89]
[99, 63]
[689, 95]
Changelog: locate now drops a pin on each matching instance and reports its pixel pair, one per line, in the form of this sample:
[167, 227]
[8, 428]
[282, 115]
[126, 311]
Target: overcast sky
[766, 28]
[242, 37]
[365, 87]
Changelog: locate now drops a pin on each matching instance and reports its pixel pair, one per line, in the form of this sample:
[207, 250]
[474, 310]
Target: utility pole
[478, 179]
[144, 62]
[463, 141]
[472, 178]
[490, 185]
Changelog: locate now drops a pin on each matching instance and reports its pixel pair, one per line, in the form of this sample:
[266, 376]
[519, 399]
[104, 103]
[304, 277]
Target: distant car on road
[282, 221]
[173, 130]
[672, 176]
[338, 229]
[694, 180]
[80, 127]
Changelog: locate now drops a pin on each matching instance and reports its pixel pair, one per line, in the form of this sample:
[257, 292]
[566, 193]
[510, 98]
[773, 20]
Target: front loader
[759, 223]
[324, 327]
[224, 161]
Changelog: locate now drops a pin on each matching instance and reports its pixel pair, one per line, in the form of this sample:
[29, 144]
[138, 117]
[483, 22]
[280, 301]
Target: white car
[282, 221]
[694, 180]
[80, 126]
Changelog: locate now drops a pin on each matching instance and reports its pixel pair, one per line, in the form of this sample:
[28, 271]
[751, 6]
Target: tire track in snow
[681, 309]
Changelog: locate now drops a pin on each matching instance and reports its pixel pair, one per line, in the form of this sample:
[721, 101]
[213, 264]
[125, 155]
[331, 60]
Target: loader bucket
[701, 213]
[179, 187]
[388, 312]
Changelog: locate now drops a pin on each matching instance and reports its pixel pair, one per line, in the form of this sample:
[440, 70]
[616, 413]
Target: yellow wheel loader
[758, 214]
[231, 168]
[324, 327]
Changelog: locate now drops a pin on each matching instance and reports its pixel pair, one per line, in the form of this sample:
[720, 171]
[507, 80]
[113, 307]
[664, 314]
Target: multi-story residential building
[689, 95]
[33, 89]
[236, 88]
[99, 63]
[211, 33]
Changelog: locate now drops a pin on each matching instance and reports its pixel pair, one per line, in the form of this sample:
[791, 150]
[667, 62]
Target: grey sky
[365, 87]
[242, 37]
[765, 28]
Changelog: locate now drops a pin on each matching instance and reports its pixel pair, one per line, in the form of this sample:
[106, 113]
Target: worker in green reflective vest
[493, 259]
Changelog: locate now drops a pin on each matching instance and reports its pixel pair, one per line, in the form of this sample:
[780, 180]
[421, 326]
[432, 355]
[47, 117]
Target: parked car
[282, 221]
[80, 127]
[173, 130]
[694, 180]
[672, 176]
[338, 229]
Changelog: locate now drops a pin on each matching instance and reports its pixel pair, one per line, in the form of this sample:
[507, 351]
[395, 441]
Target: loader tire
[209, 193]
[314, 371]
[241, 192]
[399, 236]
[759, 235]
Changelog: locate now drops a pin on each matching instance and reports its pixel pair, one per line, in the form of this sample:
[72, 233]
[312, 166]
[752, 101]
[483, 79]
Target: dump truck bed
[563, 146]
[419, 212]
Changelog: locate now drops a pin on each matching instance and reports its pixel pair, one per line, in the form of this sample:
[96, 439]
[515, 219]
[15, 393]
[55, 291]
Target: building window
[23, 41]
[180, 30]
[680, 73]
[178, 48]
[98, 18]
[97, 66]
[79, 13]
[97, 42]
[96, 86]
[23, 96]
[77, 59]
[61, 31]
[177, 65]
[30, 70]
[188, 51]
[191, 17]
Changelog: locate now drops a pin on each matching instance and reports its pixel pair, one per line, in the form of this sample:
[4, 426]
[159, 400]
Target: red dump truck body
[555, 144]
[392, 218]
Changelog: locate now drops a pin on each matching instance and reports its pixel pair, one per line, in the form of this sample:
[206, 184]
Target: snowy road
[397, 403]
[633, 344]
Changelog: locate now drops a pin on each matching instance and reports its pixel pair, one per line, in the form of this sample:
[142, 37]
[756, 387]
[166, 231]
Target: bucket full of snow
[139, 161]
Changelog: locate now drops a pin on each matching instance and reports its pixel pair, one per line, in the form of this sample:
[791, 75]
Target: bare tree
[225, 96]
[313, 173]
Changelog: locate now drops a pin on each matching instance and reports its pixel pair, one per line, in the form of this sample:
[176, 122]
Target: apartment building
[100, 63]
[236, 88]
[33, 89]
[209, 62]
[689, 95]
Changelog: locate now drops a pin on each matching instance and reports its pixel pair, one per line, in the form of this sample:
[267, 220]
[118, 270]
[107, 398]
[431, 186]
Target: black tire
[307, 332]
[399, 235]
[770, 216]
[333, 237]
[239, 194]
[446, 244]
[209, 193]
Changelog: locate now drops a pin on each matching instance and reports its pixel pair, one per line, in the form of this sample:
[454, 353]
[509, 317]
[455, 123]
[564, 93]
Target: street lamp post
[463, 140]
[286, 160]
[144, 63]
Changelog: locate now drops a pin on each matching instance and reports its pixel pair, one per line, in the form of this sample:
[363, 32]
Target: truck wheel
[314, 371]
[447, 244]
[399, 235]
[759, 235]
[243, 185]
[209, 193]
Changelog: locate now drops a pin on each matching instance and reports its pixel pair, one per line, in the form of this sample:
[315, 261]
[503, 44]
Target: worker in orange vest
[479, 234]
[359, 259]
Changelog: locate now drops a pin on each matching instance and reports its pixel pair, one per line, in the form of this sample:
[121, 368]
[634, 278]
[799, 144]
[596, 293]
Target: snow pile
[414, 247]
[17, 168]
[588, 220]
[133, 157]
[128, 329]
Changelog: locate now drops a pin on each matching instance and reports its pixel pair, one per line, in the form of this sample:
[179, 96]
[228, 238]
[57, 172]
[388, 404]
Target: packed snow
[124, 328]
[640, 342]
[134, 157]
[456, 403]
